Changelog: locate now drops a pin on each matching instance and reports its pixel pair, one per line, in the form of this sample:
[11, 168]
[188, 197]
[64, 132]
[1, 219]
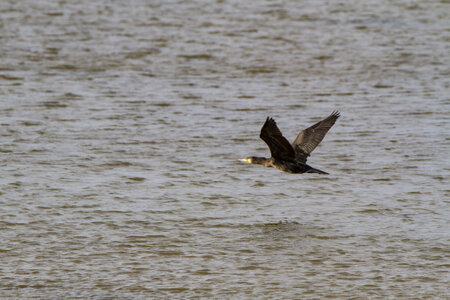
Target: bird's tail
[312, 170]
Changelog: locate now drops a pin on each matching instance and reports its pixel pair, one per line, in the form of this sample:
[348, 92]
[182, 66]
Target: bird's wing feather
[308, 139]
[279, 146]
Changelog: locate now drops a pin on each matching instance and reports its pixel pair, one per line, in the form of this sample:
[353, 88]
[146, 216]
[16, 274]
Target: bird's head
[255, 160]
[247, 159]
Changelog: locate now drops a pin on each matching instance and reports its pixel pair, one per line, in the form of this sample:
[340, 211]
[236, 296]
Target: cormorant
[292, 158]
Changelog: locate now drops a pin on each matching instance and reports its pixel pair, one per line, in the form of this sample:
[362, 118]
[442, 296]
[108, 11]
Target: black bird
[292, 158]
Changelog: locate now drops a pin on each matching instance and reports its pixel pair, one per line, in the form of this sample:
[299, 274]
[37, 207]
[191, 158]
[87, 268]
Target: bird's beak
[245, 160]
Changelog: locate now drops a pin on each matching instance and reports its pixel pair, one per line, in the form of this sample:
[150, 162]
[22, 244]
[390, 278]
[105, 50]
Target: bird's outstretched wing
[279, 146]
[308, 139]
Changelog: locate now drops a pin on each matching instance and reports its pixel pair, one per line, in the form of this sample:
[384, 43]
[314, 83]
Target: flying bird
[292, 158]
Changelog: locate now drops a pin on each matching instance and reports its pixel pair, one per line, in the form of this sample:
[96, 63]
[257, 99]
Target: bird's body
[292, 158]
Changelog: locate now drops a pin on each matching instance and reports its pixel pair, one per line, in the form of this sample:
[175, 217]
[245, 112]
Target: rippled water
[121, 126]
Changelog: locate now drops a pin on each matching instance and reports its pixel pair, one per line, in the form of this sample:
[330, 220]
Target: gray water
[121, 126]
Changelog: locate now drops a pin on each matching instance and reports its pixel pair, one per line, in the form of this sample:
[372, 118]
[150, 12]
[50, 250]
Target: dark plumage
[292, 158]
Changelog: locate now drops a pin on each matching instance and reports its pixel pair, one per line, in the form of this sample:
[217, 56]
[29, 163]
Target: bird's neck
[261, 161]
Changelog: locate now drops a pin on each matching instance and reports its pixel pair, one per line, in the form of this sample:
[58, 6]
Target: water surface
[121, 124]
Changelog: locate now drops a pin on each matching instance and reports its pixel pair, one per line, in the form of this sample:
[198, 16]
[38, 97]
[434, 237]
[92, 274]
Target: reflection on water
[121, 126]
